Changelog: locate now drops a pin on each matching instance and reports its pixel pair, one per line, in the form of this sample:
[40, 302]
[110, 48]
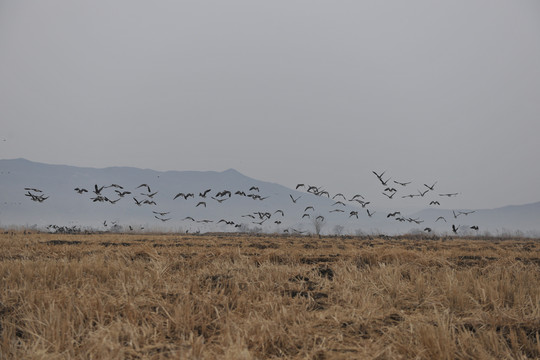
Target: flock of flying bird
[145, 197]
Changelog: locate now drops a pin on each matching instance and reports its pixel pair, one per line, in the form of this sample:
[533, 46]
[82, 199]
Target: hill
[247, 208]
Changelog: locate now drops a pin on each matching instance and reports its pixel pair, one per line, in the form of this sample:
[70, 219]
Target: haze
[315, 92]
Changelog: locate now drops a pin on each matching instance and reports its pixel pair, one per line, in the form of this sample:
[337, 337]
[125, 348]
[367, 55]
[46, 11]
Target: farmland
[235, 296]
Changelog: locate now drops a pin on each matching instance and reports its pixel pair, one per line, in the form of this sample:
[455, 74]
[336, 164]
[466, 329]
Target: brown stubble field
[151, 296]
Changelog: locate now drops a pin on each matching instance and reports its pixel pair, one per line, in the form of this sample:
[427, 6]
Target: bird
[320, 218]
[224, 193]
[113, 201]
[370, 214]
[144, 185]
[364, 203]
[115, 186]
[203, 194]
[161, 213]
[440, 218]
[402, 183]
[422, 193]
[427, 229]
[355, 197]
[240, 193]
[455, 229]
[456, 215]
[254, 188]
[431, 187]
[389, 196]
[379, 176]
[389, 189]
[161, 218]
[80, 190]
[280, 211]
[336, 210]
[353, 213]
[305, 215]
[150, 195]
[226, 222]
[339, 194]
[474, 227]
[309, 208]
[339, 203]
[410, 196]
[383, 182]
[219, 200]
[139, 203]
[185, 196]
[393, 214]
[467, 212]
[122, 193]
[33, 189]
[449, 194]
[97, 190]
[324, 192]
[434, 203]
[149, 202]
[299, 186]
[201, 203]
[188, 218]
[293, 199]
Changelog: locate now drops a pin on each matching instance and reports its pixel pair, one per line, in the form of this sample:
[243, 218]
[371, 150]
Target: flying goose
[402, 183]
[389, 196]
[293, 199]
[280, 211]
[203, 194]
[422, 193]
[161, 218]
[144, 185]
[33, 189]
[431, 187]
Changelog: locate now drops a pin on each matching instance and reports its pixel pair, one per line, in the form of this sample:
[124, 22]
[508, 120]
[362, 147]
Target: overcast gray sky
[319, 92]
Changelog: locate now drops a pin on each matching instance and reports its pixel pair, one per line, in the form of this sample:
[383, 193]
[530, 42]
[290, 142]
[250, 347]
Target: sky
[302, 91]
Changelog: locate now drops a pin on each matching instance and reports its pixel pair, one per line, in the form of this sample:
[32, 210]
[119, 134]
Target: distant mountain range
[246, 209]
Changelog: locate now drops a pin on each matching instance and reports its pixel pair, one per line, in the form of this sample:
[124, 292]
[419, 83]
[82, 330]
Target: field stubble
[114, 296]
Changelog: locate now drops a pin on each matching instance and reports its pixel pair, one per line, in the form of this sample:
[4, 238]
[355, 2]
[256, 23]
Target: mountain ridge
[66, 206]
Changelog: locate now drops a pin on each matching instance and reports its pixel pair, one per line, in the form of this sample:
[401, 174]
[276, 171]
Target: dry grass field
[114, 296]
